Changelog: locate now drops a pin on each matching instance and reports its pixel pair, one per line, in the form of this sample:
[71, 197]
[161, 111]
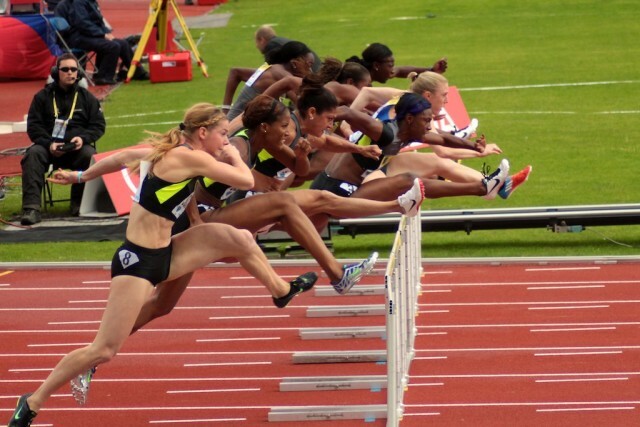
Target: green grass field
[554, 84]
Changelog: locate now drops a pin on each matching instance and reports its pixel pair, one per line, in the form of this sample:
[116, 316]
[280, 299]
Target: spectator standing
[64, 123]
[89, 32]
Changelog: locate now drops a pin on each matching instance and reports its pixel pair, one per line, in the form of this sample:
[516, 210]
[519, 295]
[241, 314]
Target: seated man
[64, 123]
[267, 40]
[90, 33]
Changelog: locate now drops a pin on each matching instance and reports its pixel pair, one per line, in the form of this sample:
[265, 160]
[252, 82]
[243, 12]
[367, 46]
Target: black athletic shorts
[339, 187]
[149, 264]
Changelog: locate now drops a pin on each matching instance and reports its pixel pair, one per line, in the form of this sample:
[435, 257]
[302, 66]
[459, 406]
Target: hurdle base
[346, 310]
[343, 333]
[364, 356]
[362, 382]
[327, 413]
[358, 290]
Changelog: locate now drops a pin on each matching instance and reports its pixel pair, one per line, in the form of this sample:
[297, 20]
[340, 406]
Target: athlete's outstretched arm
[113, 163]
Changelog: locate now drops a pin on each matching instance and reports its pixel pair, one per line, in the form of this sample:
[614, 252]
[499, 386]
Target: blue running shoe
[353, 273]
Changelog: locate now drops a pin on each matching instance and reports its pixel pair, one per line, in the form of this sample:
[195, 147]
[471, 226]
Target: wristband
[79, 177]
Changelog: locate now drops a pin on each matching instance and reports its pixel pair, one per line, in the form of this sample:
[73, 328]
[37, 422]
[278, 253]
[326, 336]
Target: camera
[67, 146]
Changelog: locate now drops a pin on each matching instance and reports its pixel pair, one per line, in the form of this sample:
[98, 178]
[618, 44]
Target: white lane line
[421, 414]
[566, 349]
[568, 380]
[225, 287]
[437, 291]
[578, 353]
[424, 384]
[432, 333]
[198, 365]
[562, 283]
[545, 85]
[512, 404]
[161, 354]
[533, 375]
[4, 284]
[237, 339]
[569, 307]
[131, 125]
[243, 296]
[439, 272]
[480, 304]
[249, 317]
[526, 325]
[232, 307]
[555, 113]
[203, 420]
[606, 328]
[618, 112]
[32, 370]
[543, 303]
[157, 408]
[95, 282]
[104, 301]
[41, 289]
[561, 268]
[604, 408]
[253, 278]
[430, 358]
[81, 322]
[82, 344]
[432, 311]
[221, 390]
[544, 288]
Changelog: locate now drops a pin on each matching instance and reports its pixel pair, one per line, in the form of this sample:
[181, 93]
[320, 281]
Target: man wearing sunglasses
[65, 120]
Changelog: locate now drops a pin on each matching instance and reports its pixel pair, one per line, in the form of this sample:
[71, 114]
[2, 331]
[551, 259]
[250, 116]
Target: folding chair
[47, 191]
[61, 27]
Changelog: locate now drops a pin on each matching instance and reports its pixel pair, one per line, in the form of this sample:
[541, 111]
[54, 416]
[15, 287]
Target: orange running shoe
[514, 181]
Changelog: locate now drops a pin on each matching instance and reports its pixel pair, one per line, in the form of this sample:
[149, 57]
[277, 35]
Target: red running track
[498, 345]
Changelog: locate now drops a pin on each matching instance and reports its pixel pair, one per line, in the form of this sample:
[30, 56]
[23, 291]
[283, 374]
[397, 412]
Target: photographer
[64, 123]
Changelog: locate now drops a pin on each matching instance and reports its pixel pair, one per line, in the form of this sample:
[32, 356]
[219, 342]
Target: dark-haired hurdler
[379, 60]
[345, 173]
[293, 58]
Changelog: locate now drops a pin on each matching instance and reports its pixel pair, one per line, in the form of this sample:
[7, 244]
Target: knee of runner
[245, 238]
[104, 355]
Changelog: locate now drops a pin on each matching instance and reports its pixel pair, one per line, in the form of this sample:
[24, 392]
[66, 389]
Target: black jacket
[87, 121]
[85, 19]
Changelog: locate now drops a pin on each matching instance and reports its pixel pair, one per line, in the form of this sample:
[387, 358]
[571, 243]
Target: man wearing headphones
[65, 120]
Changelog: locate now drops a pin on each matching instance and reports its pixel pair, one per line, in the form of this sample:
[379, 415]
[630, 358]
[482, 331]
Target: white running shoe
[353, 273]
[80, 386]
[411, 200]
[468, 131]
[496, 180]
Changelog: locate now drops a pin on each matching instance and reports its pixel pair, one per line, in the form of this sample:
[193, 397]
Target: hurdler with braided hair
[152, 255]
[293, 58]
[379, 60]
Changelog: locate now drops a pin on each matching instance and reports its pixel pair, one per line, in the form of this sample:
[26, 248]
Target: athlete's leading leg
[126, 296]
[257, 212]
